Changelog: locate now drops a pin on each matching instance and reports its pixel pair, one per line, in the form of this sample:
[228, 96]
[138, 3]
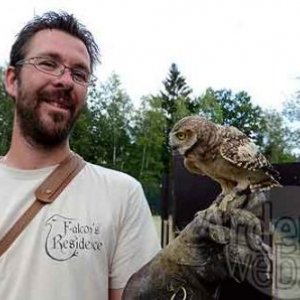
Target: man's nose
[65, 78]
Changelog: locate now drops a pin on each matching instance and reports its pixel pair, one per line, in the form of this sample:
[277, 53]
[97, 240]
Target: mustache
[62, 96]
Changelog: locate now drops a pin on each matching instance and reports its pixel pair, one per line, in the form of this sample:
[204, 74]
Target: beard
[35, 128]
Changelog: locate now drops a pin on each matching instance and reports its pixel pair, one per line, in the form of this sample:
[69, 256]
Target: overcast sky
[250, 45]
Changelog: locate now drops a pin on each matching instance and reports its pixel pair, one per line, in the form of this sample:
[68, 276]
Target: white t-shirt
[96, 234]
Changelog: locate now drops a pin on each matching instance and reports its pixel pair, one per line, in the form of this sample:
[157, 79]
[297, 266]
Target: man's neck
[23, 155]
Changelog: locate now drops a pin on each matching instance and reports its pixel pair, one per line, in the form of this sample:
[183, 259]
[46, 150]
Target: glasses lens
[48, 65]
[80, 76]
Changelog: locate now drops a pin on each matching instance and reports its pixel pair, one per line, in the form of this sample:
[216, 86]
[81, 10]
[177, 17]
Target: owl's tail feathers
[265, 185]
[272, 172]
[270, 180]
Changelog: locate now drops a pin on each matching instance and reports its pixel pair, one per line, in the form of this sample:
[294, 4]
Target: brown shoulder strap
[46, 193]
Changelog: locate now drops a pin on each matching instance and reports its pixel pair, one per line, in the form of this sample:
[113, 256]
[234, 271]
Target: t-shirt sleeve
[137, 241]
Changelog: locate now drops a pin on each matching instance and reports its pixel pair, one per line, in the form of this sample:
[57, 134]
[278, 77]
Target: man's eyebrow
[50, 55]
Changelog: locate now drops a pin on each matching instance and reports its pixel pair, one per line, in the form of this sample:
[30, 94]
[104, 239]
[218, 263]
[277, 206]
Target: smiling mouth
[59, 104]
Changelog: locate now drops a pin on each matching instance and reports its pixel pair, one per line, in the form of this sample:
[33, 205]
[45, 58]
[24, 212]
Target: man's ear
[11, 82]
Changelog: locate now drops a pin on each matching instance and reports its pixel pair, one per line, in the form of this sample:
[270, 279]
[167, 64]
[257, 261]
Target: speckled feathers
[223, 153]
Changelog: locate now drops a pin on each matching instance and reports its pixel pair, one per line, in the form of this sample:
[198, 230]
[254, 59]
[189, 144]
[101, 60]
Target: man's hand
[115, 294]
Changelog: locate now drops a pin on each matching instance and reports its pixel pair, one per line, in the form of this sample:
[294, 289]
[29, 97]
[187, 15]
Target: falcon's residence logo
[68, 238]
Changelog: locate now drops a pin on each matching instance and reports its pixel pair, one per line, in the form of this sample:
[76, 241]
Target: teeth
[56, 104]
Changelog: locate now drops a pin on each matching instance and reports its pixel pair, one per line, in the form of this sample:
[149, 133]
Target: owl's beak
[174, 150]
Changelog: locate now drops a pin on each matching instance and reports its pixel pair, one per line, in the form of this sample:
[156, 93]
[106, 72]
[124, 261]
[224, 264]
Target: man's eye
[47, 64]
[80, 76]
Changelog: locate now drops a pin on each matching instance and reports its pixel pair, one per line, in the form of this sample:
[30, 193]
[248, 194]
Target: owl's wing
[230, 132]
[243, 153]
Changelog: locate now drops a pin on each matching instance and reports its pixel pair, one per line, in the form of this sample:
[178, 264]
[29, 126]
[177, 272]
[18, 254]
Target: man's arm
[115, 294]
[137, 240]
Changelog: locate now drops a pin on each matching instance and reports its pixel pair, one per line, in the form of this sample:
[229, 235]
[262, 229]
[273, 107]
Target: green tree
[118, 114]
[278, 138]
[102, 134]
[81, 137]
[6, 116]
[176, 103]
[148, 138]
[291, 108]
[227, 108]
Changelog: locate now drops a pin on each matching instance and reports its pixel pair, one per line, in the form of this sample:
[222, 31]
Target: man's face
[48, 106]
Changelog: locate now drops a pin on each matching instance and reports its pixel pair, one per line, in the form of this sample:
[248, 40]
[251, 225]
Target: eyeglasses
[55, 68]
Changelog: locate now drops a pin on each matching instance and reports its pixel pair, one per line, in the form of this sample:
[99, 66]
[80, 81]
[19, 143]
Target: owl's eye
[181, 135]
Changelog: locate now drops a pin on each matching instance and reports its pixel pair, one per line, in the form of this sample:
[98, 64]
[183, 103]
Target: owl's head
[187, 132]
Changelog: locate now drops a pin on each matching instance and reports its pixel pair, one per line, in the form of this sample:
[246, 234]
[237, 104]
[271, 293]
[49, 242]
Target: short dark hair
[54, 20]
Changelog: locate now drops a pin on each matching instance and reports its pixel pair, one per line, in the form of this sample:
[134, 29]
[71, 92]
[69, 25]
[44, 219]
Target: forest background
[114, 133]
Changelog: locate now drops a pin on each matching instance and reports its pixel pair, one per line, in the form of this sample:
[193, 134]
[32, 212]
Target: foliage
[176, 103]
[278, 138]
[105, 126]
[6, 117]
[149, 137]
[224, 107]
[292, 108]
[291, 111]
[176, 95]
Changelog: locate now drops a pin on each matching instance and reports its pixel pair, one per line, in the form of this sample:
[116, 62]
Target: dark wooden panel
[193, 192]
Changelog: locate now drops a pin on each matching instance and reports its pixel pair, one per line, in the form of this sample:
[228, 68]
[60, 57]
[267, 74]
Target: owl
[223, 153]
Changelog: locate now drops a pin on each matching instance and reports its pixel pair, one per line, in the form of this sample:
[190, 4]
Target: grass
[157, 223]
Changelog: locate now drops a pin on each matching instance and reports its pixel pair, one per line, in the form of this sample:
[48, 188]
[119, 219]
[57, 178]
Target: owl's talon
[223, 206]
[218, 200]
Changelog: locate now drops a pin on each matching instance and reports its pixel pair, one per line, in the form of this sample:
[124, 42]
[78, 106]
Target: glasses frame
[31, 61]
